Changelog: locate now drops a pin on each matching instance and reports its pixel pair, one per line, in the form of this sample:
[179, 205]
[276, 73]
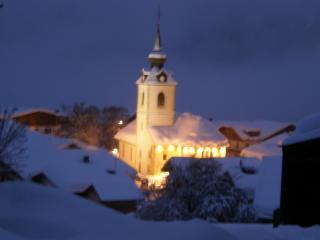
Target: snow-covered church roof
[188, 129]
[128, 133]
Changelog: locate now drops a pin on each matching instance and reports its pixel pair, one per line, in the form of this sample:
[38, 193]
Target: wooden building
[300, 199]
[120, 205]
[41, 120]
[241, 136]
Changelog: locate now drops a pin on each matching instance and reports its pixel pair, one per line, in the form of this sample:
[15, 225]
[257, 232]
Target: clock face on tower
[162, 77]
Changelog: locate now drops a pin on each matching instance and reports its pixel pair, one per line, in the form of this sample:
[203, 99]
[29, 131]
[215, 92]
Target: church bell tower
[155, 103]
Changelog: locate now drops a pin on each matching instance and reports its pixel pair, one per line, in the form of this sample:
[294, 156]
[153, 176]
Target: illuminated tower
[155, 104]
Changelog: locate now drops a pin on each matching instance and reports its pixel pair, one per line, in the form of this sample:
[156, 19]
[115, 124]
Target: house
[92, 193]
[85, 171]
[7, 173]
[256, 138]
[158, 132]
[300, 174]
[41, 120]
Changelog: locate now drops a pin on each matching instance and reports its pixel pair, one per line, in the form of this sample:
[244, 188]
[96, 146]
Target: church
[158, 132]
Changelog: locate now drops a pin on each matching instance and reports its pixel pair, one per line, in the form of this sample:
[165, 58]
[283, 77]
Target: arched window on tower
[142, 99]
[161, 100]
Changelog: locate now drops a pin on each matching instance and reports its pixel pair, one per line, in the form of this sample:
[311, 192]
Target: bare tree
[93, 125]
[12, 140]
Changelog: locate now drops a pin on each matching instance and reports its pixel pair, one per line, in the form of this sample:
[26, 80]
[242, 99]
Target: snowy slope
[268, 188]
[33, 212]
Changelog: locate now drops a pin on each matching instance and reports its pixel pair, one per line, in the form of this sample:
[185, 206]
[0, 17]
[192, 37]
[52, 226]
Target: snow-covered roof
[151, 77]
[241, 127]
[30, 211]
[188, 129]
[272, 147]
[26, 111]
[68, 170]
[128, 133]
[307, 129]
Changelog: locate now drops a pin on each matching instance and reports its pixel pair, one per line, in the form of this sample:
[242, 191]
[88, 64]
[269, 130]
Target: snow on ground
[67, 170]
[36, 212]
[267, 232]
[30, 211]
[268, 188]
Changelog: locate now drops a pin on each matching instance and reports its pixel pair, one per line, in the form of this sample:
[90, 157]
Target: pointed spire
[157, 43]
[157, 58]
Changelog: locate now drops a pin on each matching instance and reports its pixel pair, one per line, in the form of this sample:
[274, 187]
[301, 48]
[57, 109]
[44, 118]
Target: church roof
[128, 133]
[188, 129]
[152, 76]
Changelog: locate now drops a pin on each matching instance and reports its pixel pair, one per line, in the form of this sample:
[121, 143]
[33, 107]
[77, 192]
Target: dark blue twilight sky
[233, 59]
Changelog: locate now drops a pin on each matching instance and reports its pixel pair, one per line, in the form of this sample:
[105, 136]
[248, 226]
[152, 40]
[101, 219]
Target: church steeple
[157, 43]
[157, 58]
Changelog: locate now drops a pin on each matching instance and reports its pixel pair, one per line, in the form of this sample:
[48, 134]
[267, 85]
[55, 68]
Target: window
[161, 100]
[142, 99]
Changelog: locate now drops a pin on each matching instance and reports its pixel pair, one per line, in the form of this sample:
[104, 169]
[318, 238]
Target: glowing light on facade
[207, 152]
[171, 148]
[120, 123]
[115, 152]
[179, 150]
[215, 152]
[157, 181]
[199, 152]
[223, 152]
[185, 151]
[159, 149]
[192, 151]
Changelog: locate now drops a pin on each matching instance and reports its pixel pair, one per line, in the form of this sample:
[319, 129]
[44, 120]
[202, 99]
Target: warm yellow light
[179, 150]
[191, 150]
[157, 181]
[207, 152]
[223, 152]
[185, 151]
[115, 152]
[171, 148]
[159, 149]
[199, 152]
[120, 122]
[215, 152]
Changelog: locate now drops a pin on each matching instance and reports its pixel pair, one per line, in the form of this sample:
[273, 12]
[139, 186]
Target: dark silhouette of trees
[93, 125]
[12, 140]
